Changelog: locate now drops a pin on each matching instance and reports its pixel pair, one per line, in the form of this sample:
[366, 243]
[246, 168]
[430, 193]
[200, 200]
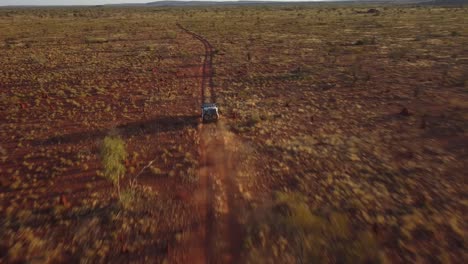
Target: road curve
[208, 93]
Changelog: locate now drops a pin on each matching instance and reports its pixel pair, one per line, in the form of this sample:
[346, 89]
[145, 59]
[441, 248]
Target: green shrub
[128, 197]
[113, 154]
[171, 34]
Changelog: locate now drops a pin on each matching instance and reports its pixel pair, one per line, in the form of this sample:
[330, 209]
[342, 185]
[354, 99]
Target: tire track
[207, 86]
[217, 177]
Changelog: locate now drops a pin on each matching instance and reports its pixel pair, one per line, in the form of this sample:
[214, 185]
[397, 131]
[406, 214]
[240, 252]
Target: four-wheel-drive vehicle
[210, 113]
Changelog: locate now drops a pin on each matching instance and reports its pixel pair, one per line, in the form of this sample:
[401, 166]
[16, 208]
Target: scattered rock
[416, 92]
[358, 43]
[355, 157]
[327, 86]
[407, 155]
[277, 116]
[3, 151]
[297, 70]
[405, 112]
[423, 123]
[178, 236]
[64, 201]
[124, 248]
[182, 195]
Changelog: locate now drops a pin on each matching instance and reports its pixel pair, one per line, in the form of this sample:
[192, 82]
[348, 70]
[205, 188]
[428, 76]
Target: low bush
[91, 40]
[113, 155]
[289, 232]
[365, 41]
[398, 53]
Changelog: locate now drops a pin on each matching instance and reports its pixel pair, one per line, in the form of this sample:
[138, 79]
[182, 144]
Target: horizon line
[214, 1]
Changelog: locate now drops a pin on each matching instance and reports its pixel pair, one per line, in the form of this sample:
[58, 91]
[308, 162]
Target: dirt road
[217, 238]
[208, 93]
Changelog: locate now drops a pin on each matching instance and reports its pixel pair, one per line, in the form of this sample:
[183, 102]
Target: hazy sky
[67, 2]
[72, 2]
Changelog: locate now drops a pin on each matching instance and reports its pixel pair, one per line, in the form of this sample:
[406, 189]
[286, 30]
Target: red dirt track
[215, 197]
[207, 73]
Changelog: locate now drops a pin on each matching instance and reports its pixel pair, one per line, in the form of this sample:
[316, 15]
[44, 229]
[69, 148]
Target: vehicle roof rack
[208, 105]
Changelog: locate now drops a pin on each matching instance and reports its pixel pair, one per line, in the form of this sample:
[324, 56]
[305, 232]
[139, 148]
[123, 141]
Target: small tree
[113, 155]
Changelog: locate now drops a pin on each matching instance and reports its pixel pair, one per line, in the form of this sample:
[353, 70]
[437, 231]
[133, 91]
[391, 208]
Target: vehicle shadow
[143, 127]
